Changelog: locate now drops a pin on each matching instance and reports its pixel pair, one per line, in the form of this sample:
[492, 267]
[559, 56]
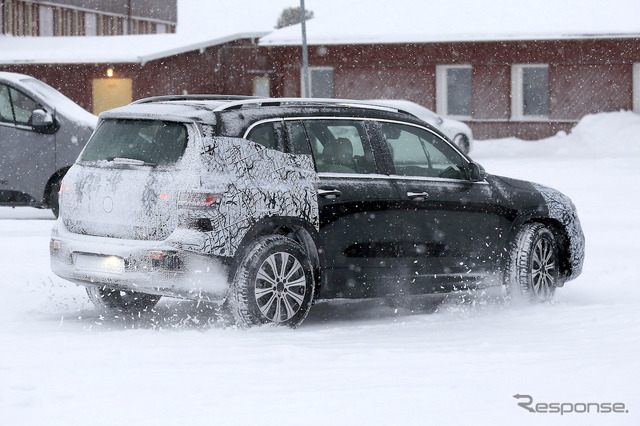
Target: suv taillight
[198, 200]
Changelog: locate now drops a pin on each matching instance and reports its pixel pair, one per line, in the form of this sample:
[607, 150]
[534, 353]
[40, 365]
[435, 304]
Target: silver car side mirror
[42, 121]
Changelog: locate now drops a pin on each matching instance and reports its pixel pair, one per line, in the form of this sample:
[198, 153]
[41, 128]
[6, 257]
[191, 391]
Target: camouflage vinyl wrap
[255, 183]
[562, 209]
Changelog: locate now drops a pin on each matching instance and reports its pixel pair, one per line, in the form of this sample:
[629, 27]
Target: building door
[111, 93]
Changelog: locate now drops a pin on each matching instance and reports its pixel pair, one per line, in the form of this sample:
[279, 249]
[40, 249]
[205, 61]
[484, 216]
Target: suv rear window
[154, 142]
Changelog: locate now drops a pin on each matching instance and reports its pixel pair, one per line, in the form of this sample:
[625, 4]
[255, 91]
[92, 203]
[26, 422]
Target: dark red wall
[585, 76]
[72, 80]
[226, 69]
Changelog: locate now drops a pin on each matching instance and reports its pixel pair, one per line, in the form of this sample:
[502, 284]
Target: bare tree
[292, 16]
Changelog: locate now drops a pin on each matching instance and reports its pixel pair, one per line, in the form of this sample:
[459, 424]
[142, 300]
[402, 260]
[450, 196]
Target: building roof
[200, 24]
[419, 21]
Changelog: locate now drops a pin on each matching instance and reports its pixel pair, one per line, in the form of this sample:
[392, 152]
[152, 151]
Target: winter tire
[273, 283]
[109, 300]
[532, 270]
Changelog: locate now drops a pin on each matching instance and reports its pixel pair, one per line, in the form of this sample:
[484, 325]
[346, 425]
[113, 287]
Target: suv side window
[265, 135]
[418, 152]
[340, 146]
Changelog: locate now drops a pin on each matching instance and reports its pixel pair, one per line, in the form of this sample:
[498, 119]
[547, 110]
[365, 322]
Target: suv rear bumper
[154, 267]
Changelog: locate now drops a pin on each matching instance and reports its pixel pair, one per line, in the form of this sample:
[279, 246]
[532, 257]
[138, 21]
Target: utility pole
[129, 14]
[305, 54]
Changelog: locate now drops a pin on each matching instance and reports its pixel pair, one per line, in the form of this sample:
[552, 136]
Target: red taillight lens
[197, 200]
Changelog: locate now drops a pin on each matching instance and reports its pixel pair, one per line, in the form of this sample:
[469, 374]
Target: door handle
[418, 196]
[329, 194]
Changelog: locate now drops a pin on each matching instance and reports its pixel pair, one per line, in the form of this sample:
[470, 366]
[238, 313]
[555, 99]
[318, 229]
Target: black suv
[266, 205]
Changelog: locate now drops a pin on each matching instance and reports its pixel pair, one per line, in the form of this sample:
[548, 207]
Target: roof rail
[194, 98]
[254, 101]
[239, 101]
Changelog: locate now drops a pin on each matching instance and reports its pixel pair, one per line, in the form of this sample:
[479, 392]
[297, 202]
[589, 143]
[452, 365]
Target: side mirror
[42, 121]
[476, 172]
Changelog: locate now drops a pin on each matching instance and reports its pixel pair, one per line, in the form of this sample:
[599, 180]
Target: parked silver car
[41, 134]
[458, 132]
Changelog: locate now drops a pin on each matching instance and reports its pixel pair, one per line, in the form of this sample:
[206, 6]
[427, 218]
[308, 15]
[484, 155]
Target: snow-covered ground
[349, 363]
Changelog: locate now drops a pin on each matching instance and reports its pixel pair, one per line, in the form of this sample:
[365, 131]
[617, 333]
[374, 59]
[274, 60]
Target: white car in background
[458, 132]
[41, 134]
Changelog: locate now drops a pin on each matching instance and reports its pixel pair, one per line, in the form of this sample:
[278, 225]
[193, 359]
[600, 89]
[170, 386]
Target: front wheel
[109, 300]
[53, 196]
[273, 283]
[532, 270]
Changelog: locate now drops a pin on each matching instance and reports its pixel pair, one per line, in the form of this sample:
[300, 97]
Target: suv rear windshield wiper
[130, 161]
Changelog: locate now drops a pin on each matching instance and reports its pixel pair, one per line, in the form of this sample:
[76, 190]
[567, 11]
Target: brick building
[523, 77]
[87, 17]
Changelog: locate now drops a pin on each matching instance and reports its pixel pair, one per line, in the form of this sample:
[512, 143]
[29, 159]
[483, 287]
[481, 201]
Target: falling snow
[357, 362]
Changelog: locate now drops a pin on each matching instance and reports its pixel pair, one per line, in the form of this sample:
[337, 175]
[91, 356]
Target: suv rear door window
[152, 141]
[297, 138]
[339, 146]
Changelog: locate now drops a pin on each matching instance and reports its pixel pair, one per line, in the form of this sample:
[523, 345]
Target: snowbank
[604, 134]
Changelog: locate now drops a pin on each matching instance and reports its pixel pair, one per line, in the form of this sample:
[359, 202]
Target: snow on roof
[200, 24]
[420, 21]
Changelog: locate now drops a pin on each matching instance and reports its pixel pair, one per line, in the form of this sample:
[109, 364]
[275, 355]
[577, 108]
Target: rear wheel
[109, 300]
[532, 270]
[273, 283]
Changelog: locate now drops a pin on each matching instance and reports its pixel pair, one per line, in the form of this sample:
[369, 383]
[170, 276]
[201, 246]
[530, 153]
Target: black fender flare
[536, 215]
[299, 230]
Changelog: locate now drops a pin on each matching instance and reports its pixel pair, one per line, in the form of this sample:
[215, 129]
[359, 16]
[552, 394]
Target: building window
[529, 92]
[90, 24]
[7, 17]
[261, 87]
[46, 21]
[321, 79]
[18, 18]
[453, 90]
[636, 88]
[60, 18]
